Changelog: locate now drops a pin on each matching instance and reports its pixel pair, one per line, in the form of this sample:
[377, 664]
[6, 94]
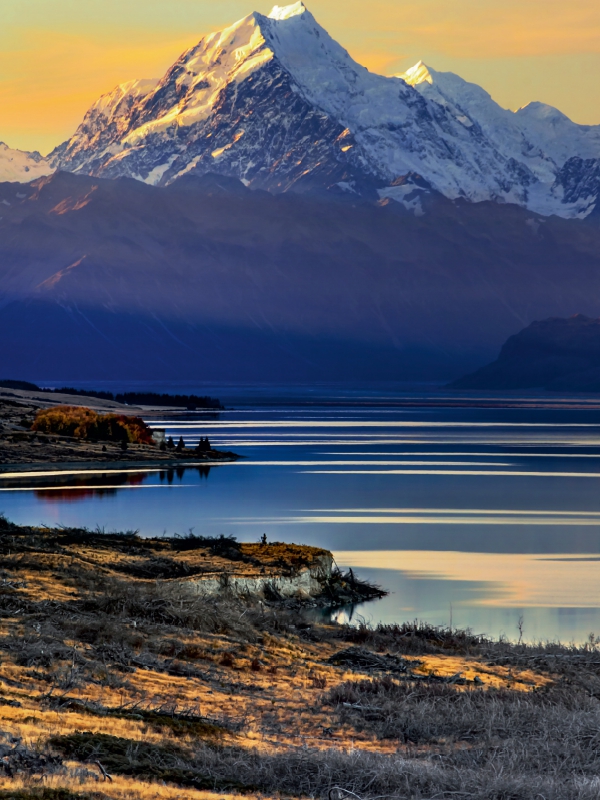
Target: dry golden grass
[121, 787]
[89, 651]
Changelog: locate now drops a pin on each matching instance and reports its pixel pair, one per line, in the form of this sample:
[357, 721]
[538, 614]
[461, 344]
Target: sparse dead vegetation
[116, 684]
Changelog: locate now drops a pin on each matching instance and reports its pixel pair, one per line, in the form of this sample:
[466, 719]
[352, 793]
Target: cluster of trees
[84, 423]
[203, 445]
[189, 401]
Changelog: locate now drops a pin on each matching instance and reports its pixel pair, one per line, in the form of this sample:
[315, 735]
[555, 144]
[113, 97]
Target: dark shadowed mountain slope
[205, 279]
[556, 354]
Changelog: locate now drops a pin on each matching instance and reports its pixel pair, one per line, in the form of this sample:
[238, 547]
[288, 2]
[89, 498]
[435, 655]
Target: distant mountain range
[276, 103]
[207, 279]
[554, 354]
[270, 210]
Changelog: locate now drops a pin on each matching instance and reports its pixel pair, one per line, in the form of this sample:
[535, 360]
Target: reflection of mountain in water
[72, 488]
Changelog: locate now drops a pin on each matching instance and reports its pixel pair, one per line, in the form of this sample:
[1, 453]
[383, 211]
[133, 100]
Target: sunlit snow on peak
[283, 82]
[420, 73]
[285, 12]
[135, 89]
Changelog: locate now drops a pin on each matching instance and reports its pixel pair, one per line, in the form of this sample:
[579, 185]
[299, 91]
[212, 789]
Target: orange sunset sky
[58, 56]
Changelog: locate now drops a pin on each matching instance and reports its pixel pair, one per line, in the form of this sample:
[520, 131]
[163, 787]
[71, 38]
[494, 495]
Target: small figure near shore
[263, 538]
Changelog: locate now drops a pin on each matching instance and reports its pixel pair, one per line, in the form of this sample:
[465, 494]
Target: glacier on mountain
[537, 134]
[277, 103]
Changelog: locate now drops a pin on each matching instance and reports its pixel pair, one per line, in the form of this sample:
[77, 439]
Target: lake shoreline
[57, 467]
[20, 447]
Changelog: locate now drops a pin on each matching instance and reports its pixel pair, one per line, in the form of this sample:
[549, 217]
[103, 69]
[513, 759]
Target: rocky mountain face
[555, 354]
[578, 181]
[20, 166]
[277, 103]
[208, 279]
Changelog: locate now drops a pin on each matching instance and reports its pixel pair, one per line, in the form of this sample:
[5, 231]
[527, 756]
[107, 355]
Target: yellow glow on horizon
[61, 78]
[514, 580]
[57, 58]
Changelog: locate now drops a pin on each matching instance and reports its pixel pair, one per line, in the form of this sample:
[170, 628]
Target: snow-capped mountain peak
[276, 102]
[420, 73]
[285, 12]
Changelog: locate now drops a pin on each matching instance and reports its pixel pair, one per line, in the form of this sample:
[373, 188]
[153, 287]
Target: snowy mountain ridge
[19, 166]
[538, 133]
[277, 103]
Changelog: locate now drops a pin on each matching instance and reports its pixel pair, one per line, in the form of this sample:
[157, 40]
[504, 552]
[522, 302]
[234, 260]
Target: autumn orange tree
[84, 423]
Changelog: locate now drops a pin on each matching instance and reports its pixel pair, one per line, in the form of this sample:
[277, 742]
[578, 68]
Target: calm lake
[480, 513]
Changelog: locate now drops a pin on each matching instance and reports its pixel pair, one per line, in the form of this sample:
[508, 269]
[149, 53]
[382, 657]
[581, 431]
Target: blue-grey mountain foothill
[561, 355]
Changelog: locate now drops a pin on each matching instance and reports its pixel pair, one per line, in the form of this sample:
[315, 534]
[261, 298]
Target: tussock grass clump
[222, 545]
[168, 762]
[187, 722]
[166, 604]
[18, 759]
[157, 568]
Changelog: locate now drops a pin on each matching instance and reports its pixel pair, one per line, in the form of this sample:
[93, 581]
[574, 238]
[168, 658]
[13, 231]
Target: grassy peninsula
[118, 680]
[41, 427]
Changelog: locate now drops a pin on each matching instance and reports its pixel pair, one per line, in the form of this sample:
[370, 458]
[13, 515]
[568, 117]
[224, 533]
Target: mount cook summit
[275, 102]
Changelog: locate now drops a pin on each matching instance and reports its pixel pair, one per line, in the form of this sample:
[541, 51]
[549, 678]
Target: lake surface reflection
[471, 512]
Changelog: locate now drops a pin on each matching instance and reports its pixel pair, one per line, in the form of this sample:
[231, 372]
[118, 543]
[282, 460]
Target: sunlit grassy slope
[115, 683]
